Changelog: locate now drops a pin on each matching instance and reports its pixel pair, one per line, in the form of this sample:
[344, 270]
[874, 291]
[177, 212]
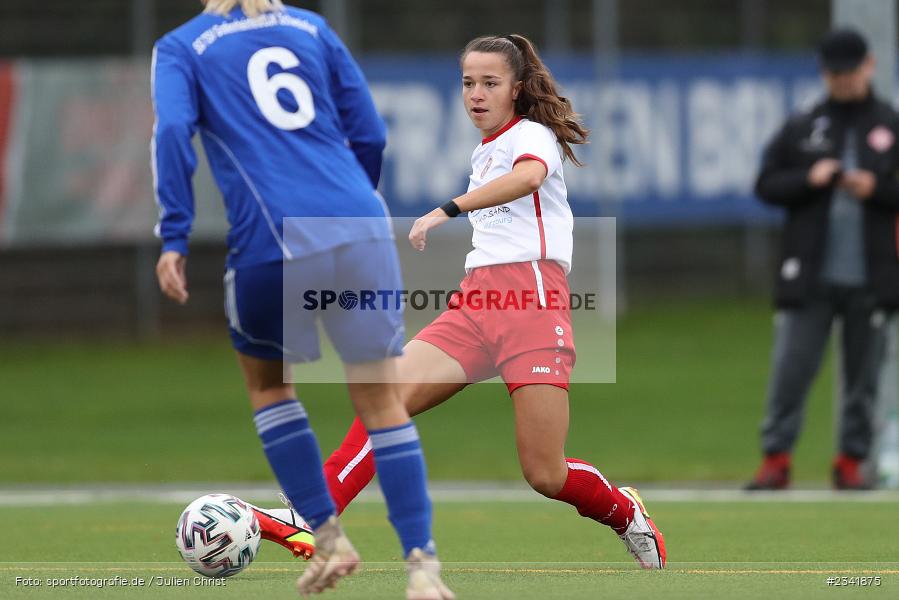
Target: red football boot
[847, 474]
[773, 474]
[286, 528]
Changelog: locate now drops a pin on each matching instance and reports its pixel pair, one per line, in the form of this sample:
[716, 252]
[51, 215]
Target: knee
[544, 479]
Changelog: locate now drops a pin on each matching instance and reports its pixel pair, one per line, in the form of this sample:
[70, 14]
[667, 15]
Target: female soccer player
[290, 130]
[525, 249]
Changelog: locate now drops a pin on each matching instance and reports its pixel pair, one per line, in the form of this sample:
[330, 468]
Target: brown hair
[538, 99]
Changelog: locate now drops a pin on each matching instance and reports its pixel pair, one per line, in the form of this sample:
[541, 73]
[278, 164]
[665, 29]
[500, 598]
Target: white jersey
[534, 227]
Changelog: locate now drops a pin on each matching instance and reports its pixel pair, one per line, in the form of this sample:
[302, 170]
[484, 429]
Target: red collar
[502, 130]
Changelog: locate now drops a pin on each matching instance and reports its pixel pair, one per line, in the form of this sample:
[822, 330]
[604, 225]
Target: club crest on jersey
[881, 139]
[487, 166]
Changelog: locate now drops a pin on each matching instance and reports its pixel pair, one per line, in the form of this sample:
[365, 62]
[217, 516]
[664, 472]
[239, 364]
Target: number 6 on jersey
[265, 89]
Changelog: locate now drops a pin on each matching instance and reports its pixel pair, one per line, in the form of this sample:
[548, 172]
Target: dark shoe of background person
[773, 474]
[847, 474]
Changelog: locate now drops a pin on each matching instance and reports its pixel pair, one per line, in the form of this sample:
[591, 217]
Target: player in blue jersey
[295, 143]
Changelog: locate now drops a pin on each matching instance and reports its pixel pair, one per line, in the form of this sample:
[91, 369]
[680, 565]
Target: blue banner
[675, 139]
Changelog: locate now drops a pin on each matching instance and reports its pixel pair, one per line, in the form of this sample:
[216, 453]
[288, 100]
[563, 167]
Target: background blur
[681, 96]
[681, 99]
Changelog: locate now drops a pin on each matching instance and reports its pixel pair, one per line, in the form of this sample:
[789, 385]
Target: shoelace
[286, 502]
[643, 539]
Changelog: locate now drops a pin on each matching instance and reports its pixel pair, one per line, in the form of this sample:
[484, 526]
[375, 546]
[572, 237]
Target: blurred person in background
[290, 130]
[834, 171]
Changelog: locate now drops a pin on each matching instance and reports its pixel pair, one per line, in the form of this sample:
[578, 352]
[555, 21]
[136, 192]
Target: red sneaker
[286, 528]
[773, 474]
[847, 474]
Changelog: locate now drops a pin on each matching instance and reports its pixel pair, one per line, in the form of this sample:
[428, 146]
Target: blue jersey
[288, 125]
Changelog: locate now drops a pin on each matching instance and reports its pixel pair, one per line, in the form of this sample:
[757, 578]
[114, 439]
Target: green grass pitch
[690, 388]
[686, 407]
[529, 550]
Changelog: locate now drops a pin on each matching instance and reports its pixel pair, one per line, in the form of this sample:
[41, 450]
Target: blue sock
[292, 452]
[401, 471]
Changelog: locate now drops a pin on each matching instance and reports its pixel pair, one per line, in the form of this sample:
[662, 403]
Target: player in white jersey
[512, 316]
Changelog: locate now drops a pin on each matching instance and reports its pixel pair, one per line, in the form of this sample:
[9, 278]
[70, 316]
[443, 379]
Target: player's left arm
[363, 126]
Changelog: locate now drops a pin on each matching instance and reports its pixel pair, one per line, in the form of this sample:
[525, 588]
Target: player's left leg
[541, 426]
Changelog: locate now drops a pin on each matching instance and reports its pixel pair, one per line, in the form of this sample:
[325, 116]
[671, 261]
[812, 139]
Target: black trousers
[801, 336]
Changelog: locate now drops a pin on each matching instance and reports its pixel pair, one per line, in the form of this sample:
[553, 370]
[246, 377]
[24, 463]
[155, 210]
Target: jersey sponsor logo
[484, 214]
[493, 217]
[545, 370]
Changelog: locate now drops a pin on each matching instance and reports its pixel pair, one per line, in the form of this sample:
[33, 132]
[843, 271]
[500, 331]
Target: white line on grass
[449, 492]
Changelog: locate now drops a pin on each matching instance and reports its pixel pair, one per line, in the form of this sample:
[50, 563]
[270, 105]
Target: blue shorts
[273, 308]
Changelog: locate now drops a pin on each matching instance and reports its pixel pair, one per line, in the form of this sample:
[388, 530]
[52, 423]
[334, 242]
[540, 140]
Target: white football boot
[424, 577]
[643, 539]
[334, 558]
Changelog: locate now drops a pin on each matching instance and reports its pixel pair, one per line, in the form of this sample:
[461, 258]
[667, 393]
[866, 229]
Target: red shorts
[512, 320]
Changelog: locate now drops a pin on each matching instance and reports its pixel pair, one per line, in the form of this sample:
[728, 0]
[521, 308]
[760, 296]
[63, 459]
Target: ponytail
[538, 99]
[251, 8]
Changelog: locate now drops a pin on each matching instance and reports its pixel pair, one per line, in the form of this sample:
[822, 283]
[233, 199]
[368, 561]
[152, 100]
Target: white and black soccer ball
[218, 535]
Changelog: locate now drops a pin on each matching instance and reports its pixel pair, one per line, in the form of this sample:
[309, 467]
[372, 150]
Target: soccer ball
[218, 535]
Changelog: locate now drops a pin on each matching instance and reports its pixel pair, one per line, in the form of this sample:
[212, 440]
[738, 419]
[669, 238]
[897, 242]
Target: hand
[171, 273]
[822, 172]
[418, 234]
[859, 183]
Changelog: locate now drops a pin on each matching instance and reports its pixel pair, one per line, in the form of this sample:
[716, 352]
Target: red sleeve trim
[531, 157]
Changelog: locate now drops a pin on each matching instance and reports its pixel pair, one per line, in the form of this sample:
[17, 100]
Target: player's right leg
[368, 338]
[427, 377]
[400, 465]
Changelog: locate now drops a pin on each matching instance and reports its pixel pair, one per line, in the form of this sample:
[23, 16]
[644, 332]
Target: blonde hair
[251, 8]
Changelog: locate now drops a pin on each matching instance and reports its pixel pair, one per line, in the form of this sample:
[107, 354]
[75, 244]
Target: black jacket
[803, 140]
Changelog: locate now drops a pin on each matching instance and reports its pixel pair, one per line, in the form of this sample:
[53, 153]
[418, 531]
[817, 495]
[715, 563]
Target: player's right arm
[174, 161]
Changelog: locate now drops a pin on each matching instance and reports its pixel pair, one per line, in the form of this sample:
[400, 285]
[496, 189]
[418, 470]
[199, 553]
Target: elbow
[369, 144]
[171, 129]
[533, 183]
[372, 138]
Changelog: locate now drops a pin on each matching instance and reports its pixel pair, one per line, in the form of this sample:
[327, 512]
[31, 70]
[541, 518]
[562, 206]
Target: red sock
[349, 469]
[594, 497]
